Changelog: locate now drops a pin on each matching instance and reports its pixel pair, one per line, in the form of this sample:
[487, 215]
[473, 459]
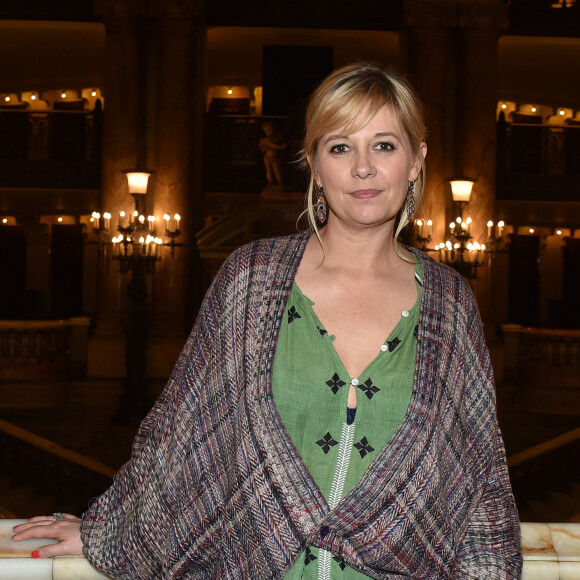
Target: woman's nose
[362, 165]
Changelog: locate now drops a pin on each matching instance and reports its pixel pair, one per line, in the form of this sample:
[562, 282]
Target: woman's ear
[315, 175]
[418, 163]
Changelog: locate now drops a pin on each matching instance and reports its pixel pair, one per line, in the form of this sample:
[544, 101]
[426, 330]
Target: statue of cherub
[273, 147]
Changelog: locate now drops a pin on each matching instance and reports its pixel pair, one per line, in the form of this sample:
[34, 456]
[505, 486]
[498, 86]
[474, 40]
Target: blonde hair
[338, 102]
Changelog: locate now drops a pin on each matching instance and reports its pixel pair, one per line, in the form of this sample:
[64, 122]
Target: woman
[332, 414]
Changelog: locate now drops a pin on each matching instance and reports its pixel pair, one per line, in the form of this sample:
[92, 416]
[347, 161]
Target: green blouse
[310, 387]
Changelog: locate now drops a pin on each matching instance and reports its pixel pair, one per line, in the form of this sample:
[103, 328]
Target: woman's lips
[365, 193]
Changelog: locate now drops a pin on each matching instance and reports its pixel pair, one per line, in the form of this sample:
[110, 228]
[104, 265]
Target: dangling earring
[321, 206]
[411, 199]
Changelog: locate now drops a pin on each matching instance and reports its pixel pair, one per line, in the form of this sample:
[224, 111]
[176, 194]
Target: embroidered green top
[310, 387]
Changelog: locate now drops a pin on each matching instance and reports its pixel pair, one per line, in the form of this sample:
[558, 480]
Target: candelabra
[463, 254]
[137, 249]
[424, 232]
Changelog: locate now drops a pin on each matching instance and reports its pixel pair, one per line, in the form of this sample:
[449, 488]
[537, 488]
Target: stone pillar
[426, 45]
[123, 129]
[178, 78]
[123, 146]
[451, 49]
[480, 23]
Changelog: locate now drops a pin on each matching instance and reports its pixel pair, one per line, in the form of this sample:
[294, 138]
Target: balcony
[538, 162]
[50, 148]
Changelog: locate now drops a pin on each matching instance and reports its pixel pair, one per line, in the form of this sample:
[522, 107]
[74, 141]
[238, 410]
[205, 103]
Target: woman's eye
[339, 148]
[384, 146]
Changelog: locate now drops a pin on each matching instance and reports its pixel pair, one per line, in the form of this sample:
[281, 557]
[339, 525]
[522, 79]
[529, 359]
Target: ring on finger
[58, 515]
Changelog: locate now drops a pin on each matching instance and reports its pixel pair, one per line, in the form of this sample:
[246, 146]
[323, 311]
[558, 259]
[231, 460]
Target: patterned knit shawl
[216, 490]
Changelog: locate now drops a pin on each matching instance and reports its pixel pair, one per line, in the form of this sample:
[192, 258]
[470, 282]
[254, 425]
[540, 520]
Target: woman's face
[365, 174]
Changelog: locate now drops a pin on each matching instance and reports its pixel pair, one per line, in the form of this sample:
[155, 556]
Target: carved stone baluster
[39, 340]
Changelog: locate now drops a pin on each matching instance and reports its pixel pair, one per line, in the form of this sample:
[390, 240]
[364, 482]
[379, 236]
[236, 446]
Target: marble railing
[551, 552]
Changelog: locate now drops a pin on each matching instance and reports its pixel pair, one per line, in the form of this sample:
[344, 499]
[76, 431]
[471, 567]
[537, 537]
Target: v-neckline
[328, 339]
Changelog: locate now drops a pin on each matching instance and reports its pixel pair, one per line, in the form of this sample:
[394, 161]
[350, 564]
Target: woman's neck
[369, 249]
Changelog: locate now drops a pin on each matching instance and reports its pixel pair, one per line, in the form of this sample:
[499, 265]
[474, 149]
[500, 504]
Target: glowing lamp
[461, 188]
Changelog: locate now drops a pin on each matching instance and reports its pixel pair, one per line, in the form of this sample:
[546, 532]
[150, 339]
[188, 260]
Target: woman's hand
[66, 530]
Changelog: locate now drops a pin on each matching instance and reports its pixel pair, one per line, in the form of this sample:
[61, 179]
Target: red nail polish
[29, 519]
[35, 554]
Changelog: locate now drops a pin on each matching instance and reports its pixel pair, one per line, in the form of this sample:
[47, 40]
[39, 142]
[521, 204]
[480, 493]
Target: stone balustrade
[551, 552]
[544, 365]
[38, 358]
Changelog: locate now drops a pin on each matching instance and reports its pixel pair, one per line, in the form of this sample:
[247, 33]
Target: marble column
[426, 47]
[179, 37]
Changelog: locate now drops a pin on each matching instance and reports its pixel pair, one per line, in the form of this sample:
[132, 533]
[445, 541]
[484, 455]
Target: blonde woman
[332, 415]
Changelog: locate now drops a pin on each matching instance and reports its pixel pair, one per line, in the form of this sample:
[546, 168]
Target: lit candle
[151, 220]
[96, 220]
[121, 219]
[500, 226]
[177, 218]
[429, 228]
[489, 226]
[420, 225]
[468, 225]
[107, 218]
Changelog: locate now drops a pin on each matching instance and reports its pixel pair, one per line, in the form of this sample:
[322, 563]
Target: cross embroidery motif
[309, 557]
[327, 442]
[293, 314]
[364, 447]
[393, 343]
[369, 389]
[335, 383]
[339, 561]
